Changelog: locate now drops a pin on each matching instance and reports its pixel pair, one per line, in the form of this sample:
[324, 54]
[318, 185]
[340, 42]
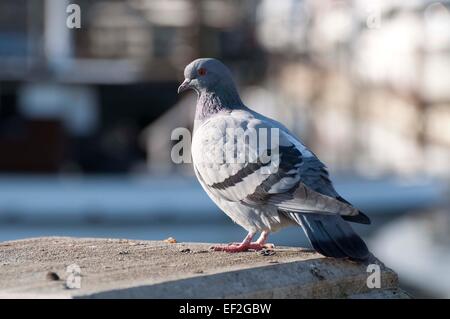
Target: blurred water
[217, 233]
[220, 230]
[154, 208]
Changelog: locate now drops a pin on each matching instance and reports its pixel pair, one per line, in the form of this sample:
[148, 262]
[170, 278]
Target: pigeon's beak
[184, 86]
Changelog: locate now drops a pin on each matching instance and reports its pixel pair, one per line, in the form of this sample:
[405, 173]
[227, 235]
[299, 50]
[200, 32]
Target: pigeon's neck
[212, 102]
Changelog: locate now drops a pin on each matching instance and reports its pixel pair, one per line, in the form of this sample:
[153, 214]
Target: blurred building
[103, 83]
[365, 85]
[372, 79]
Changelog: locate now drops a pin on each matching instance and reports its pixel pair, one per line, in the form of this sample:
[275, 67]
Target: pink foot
[240, 247]
[265, 245]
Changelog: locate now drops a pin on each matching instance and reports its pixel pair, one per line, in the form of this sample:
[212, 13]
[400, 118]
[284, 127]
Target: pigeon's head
[206, 74]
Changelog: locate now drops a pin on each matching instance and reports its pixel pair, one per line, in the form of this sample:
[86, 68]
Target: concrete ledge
[116, 268]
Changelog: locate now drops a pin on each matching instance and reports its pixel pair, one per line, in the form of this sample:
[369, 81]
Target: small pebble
[201, 251]
[267, 252]
[52, 276]
[170, 240]
[316, 273]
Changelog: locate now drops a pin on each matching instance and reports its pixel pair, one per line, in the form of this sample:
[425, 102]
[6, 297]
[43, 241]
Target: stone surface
[121, 268]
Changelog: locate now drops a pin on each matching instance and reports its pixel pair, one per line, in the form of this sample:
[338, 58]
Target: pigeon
[260, 174]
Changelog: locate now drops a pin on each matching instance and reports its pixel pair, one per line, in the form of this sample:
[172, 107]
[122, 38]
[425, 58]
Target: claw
[246, 245]
[230, 248]
[237, 248]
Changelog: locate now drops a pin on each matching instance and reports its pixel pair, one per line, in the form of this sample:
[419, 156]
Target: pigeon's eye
[201, 71]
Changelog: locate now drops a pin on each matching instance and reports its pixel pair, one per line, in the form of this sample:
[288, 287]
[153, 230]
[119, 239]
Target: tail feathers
[331, 236]
[361, 218]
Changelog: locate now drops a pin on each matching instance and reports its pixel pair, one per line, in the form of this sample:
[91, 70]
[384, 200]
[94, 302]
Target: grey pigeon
[266, 185]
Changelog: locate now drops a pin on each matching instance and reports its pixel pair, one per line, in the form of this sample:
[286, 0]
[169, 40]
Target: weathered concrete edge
[316, 277]
[288, 280]
[29, 295]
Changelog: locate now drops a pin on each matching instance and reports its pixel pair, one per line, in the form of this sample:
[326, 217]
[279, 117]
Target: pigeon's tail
[332, 236]
[361, 218]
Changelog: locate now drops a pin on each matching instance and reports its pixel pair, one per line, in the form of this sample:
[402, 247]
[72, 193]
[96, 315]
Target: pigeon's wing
[228, 164]
[315, 183]
[293, 179]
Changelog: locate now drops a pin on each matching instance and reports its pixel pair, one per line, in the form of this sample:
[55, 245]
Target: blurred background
[86, 116]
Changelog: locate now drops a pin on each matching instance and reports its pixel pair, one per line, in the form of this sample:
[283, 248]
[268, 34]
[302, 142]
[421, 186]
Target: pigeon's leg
[246, 244]
[259, 244]
[236, 248]
[263, 240]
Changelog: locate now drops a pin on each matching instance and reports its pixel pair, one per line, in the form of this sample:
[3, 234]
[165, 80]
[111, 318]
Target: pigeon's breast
[225, 158]
[227, 166]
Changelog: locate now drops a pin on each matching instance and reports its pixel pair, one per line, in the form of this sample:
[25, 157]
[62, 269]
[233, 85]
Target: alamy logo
[234, 146]
[374, 279]
[373, 20]
[74, 19]
[73, 280]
